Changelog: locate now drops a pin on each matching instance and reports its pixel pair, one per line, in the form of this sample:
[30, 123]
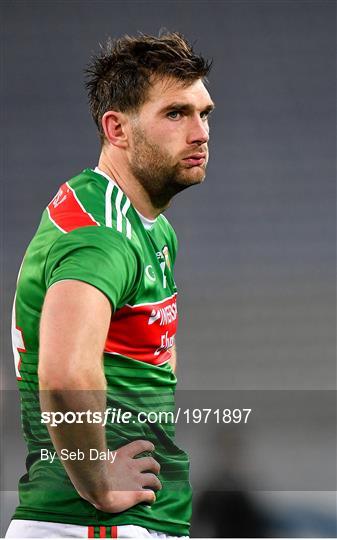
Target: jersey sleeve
[99, 256]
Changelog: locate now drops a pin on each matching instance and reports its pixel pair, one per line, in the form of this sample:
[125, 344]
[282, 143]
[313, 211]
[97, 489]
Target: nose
[198, 131]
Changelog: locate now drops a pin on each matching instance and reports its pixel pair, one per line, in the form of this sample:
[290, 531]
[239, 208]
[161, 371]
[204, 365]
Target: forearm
[90, 478]
[73, 329]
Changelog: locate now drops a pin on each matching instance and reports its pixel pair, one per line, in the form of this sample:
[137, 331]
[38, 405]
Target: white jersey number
[18, 343]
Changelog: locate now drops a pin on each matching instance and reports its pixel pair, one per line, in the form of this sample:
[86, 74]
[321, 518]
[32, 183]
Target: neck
[119, 171]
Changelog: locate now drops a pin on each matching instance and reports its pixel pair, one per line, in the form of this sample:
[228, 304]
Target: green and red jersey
[91, 232]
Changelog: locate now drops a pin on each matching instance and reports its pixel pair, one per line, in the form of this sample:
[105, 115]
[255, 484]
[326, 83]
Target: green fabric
[93, 255]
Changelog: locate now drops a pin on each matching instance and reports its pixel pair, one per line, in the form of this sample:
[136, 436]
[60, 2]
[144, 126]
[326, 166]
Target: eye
[174, 115]
[204, 115]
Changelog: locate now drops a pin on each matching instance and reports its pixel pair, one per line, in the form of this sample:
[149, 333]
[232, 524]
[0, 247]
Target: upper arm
[73, 329]
[89, 272]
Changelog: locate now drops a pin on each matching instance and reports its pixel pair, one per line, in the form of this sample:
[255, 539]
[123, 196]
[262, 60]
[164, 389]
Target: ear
[113, 124]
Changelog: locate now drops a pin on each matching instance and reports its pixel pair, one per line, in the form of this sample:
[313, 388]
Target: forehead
[168, 91]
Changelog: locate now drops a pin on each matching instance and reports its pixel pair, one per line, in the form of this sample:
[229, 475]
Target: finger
[145, 496]
[137, 447]
[150, 480]
[148, 464]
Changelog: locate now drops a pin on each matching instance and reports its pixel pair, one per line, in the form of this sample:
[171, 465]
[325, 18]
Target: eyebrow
[186, 108]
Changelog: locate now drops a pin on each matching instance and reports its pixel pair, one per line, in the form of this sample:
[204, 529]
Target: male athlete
[94, 319]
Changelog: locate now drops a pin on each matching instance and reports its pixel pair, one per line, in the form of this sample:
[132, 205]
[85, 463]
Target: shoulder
[82, 216]
[90, 199]
[79, 202]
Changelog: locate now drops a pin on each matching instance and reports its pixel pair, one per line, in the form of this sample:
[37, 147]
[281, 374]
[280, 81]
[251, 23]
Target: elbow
[56, 381]
[59, 380]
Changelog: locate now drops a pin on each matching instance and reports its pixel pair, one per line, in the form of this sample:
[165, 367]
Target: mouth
[195, 159]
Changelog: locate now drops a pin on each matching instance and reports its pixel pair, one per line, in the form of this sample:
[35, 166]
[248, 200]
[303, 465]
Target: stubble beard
[156, 171]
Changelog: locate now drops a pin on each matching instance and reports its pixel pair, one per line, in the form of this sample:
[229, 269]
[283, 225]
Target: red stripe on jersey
[91, 532]
[67, 212]
[145, 332]
[114, 531]
[102, 532]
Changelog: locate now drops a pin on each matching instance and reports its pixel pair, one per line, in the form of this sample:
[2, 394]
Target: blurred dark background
[256, 267]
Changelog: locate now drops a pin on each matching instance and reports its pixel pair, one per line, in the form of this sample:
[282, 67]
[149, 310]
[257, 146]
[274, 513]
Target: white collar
[148, 223]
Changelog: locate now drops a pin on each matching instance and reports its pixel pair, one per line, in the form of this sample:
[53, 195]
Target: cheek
[166, 132]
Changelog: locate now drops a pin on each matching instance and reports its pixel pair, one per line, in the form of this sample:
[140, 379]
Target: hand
[129, 481]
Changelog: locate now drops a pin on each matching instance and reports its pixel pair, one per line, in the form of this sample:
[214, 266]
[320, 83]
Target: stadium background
[256, 268]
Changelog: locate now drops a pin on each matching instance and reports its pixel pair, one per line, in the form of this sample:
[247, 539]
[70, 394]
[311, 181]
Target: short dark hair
[120, 76]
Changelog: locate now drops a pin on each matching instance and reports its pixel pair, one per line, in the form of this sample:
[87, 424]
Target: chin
[197, 177]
